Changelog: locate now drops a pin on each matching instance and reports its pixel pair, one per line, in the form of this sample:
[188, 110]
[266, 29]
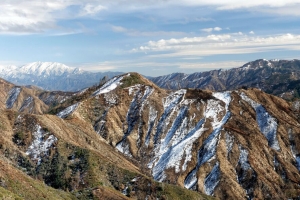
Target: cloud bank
[236, 43]
[35, 16]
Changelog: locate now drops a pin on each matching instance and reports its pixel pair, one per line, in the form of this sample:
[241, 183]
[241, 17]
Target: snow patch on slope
[111, 98]
[243, 159]
[172, 156]
[229, 139]
[69, 110]
[208, 149]
[294, 151]
[267, 124]
[26, 103]
[134, 114]
[170, 103]
[109, 85]
[12, 97]
[40, 146]
[212, 180]
[176, 147]
[123, 147]
[244, 171]
[152, 118]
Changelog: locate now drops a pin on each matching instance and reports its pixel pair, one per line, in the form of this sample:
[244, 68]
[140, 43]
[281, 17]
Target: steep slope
[240, 144]
[52, 76]
[15, 184]
[29, 99]
[38, 151]
[277, 77]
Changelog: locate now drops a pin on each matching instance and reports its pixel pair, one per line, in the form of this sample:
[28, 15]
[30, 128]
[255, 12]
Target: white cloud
[217, 29]
[97, 67]
[134, 33]
[119, 29]
[208, 30]
[235, 4]
[251, 32]
[23, 17]
[91, 9]
[220, 44]
[19, 16]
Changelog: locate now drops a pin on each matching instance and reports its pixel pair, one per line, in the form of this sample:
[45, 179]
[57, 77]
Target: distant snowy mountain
[52, 76]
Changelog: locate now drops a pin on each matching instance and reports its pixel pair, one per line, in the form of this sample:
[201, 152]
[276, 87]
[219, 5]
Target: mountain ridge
[53, 76]
[239, 144]
[199, 139]
[278, 77]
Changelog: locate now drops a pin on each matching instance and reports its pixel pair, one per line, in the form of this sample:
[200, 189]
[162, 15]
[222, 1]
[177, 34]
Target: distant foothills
[277, 77]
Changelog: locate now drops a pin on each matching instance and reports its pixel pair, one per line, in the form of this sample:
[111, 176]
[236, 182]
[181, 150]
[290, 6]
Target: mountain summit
[48, 69]
[52, 76]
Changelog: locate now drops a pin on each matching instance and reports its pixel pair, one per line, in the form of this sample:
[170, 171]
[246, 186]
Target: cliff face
[235, 144]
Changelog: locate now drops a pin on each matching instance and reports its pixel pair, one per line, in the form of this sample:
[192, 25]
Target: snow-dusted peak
[7, 69]
[48, 68]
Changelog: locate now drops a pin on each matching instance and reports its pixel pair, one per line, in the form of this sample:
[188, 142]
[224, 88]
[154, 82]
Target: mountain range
[52, 76]
[127, 138]
[277, 77]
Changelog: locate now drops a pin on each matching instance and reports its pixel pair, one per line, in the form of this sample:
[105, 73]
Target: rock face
[277, 77]
[52, 76]
[240, 144]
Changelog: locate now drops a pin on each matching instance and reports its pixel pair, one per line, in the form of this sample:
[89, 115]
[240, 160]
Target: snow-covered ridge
[48, 68]
[39, 69]
[110, 85]
[267, 124]
[69, 110]
[40, 146]
[53, 76]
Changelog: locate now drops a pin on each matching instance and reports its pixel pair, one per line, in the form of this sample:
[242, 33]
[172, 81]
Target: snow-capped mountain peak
[48, 68]
[52, 76]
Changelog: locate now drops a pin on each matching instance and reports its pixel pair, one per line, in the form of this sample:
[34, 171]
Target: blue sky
[153, 37]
